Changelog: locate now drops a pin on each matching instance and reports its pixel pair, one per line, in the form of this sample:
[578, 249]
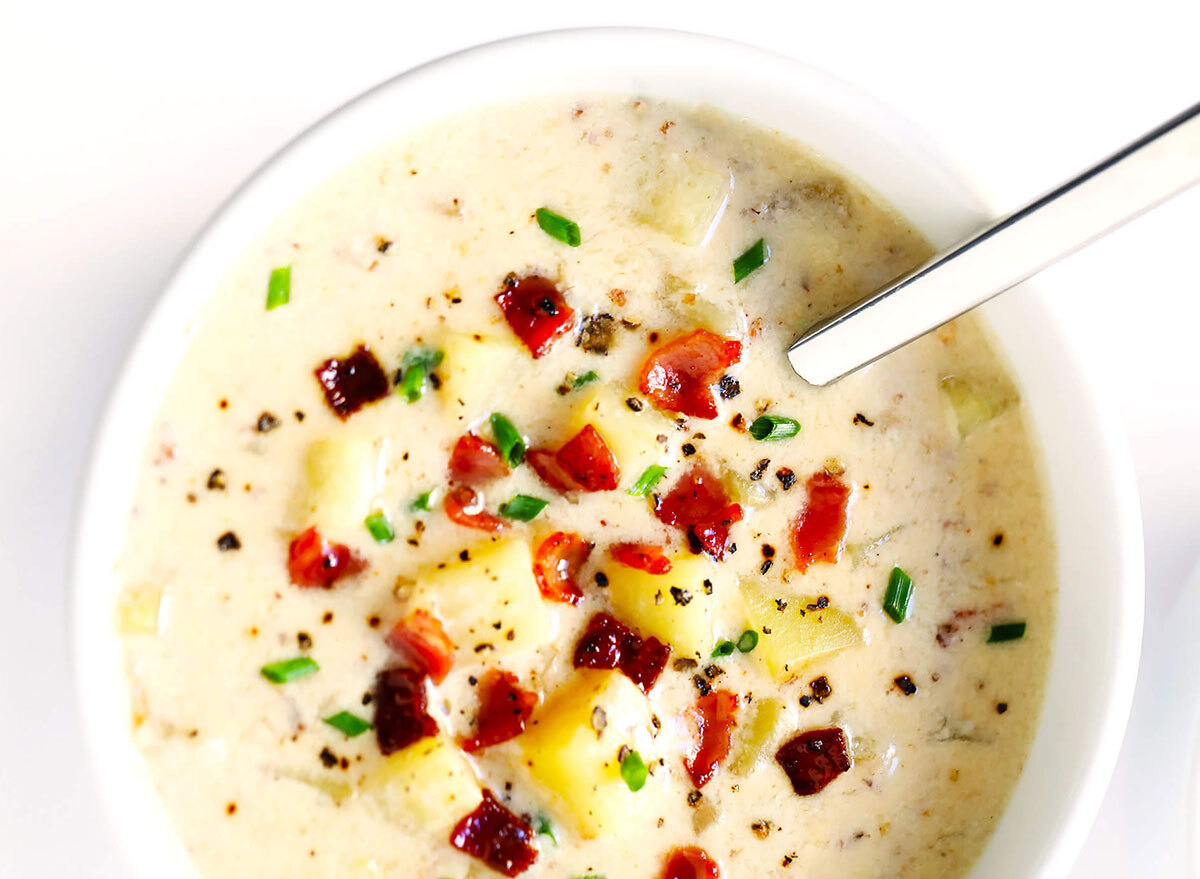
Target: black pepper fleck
[1001, 707]
[304, 640]
[905, 685]
[859, 418]
[805, 701]
[701, 685]
[786, 477]
[635, 404]
[759, 469]
[820, 688]
[681, 596]
[765, 566]
[328, 758]
[688, 450]
[266, 423]
[228, 541]
[216, 480]
[729, 387]
[601, 579]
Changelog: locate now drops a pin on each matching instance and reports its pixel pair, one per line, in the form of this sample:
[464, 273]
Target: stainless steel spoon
[1131, 181]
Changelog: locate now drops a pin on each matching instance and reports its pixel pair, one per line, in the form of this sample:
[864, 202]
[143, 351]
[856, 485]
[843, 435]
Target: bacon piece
[556, 566]
[536, 311]
[401, 709]
[503, 709]
[820, 528]
[643, 556]
[690, 863]
[714, 718]
[680, 376]
[464, 506]
[545, 464]
[312, 561]
[353, 381]
[814, 758]
[496, 836]
[608, 643]
[699, 504]
[474, 461]
[422, 643]
[584, 463]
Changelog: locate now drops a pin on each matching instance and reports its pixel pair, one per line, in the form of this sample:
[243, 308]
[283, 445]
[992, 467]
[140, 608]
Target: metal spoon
[1131, 181]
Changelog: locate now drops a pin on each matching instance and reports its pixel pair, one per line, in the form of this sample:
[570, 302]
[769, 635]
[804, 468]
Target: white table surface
[124, 125]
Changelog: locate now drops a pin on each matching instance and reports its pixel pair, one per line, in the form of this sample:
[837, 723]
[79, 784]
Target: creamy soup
[484, 529]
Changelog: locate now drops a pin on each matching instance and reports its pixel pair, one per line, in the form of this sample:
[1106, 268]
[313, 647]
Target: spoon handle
[1148, 171]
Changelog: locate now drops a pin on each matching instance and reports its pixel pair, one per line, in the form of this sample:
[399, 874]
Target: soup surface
[485, 530]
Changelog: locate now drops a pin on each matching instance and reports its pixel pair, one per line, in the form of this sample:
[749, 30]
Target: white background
[124, 125]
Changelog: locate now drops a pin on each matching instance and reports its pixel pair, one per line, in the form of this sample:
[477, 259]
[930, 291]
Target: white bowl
[1090, 477]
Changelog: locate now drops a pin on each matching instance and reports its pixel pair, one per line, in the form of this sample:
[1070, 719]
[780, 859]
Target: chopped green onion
[350, 724]
[545, 828]
[1006, 632]
[279, 288]
[412, 385]
[774, 427]
[748, 641]
[421, 502]
[899, 595]
[523, 508]
[647, 480]
[508, 440]
[379, 526]
[415, 366]
[558, 226]
[756, 255]
[580, 380]
[723, 648]
[633, 771]
[289, 669]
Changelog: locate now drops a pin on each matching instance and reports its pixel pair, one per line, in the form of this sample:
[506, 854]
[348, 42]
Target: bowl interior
[1090, 479]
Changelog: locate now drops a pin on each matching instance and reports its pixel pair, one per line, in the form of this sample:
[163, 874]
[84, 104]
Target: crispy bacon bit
[353, 381]
[474, 461]
[714, 718]
[609, 643]
[464, 506]
[821, 527]
[421, 642]
[679, 376]
[813, 759]
[503, 709]
[643, 556]
[584, 463]
[536, 311]
[496, 836]
[312, 561]
[690, 863]
[401, 709]
[556, 566]
[700, 506]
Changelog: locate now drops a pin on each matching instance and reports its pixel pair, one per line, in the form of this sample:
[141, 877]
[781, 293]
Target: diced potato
[683, 195]
[756, 737]
[797, 635]
[644, 601]
[430, 782]
[630, 435]
[970, 405]
[472, 372]
[138, 609]
[697, 306]
[491, 598]
[580, 767]
[337, 790]
[344, 474]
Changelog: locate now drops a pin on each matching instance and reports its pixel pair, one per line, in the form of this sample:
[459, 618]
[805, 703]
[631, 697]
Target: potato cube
[683, 618]
[630, 435]
[754, 739]
[473, 373]
[793, 636]
[682, 195]
[430, 783]
[970, 405]
[343, 476]
[139, 608]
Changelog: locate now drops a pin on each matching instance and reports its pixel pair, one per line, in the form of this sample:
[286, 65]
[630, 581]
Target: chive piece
[756, 255]
[508, 440]
[415, 366]
[289, 669]
[774, 427]
[633, 771]
[558, 226]
[1006, 632]
[412, 386]
[647, 480]
[421, 502]
[545, 828]
[523, 508]
[748, 641]
[581, 380]
[350, 724]
[279, 288]
[899, 595]
[379, 526]
[724, 648]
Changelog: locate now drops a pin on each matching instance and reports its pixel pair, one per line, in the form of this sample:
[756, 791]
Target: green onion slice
[647, 480]
[899, 595]
[586, 378]
[1006, 632]
[748, 641]
[379, 526]
[523, 508]
[421, 502]
[412, 385]
[559, 227]
[289, 669]
[415, 366]
[545, 828]
[633, 771]
[350, 724]
[723, 648]
[508, 440]
[279, 287]
[774, 427]
[756, 255]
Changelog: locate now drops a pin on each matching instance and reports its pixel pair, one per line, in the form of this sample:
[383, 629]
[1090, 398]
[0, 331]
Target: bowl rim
[91, 559]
